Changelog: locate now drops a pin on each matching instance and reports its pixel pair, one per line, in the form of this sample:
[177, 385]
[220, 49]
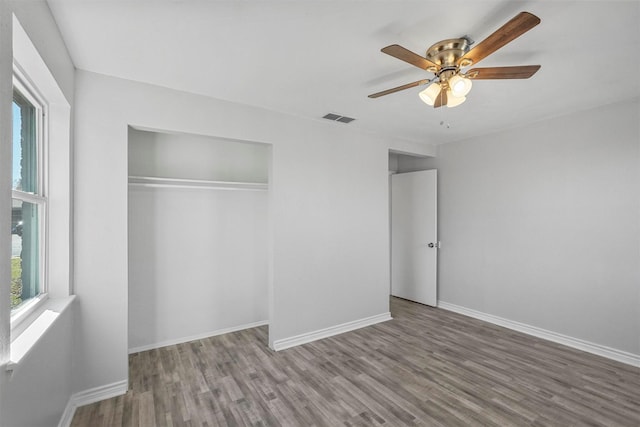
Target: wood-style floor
[426, 367]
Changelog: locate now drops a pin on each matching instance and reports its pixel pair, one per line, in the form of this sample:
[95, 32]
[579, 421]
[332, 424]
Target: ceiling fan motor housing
[445, 53]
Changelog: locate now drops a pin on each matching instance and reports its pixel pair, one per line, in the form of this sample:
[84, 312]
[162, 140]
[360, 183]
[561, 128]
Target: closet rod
[151, 181]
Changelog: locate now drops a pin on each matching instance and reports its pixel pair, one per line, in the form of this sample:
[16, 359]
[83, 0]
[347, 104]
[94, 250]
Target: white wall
[38, 391]
[402, 163]
[328, 212]
[197, 157]
[197, 257]
[197, 263]
[540, 225]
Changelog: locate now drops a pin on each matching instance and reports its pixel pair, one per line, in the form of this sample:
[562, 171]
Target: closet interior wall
[198, 249]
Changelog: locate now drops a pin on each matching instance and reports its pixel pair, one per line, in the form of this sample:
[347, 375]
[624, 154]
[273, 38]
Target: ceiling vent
[338, 118]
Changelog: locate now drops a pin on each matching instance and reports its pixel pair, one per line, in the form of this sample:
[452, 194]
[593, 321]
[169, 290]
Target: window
[36, 274]
[29, 202]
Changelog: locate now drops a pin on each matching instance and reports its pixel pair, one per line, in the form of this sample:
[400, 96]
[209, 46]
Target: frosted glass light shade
[453, 101]
[460, 86]
[430, 94]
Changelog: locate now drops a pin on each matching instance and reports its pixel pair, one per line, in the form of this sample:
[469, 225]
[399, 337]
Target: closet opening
[198, 237]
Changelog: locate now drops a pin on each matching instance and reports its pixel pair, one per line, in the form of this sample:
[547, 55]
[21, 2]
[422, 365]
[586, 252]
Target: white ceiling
[311, 57]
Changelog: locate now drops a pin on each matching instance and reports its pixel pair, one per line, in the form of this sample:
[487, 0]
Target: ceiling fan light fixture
[430, 94]
[460, 86]
[454, 101]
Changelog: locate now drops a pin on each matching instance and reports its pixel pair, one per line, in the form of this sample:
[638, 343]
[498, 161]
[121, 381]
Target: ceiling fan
[447, 58]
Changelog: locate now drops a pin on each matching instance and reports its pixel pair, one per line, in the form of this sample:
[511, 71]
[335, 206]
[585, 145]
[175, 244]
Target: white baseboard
[197, 337]
[589, 347]
[329, 332]
[91, 396]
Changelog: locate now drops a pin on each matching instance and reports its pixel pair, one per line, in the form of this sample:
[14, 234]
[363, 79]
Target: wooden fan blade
[441, 99]
[519, 72]
[399, 88]
[520, 24]
[406, 55]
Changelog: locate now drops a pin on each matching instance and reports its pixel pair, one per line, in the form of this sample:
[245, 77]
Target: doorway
[413, 228]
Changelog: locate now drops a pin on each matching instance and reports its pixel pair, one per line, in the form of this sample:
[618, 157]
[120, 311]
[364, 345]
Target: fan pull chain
[443, 121]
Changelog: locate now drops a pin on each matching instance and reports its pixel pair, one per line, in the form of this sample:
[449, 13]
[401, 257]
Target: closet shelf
[152, 181]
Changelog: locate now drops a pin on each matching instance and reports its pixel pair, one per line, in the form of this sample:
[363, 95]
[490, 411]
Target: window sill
[22, 316]
[39, 321]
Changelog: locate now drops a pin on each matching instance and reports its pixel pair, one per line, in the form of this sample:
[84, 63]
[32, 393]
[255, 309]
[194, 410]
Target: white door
[414, 240]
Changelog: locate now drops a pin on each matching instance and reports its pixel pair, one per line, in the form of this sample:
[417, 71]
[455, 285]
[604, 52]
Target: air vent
[332, 116]
[345, 119]
[338, 118]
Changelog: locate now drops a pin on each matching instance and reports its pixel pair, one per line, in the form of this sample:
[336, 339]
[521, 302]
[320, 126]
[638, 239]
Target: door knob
[431, 245]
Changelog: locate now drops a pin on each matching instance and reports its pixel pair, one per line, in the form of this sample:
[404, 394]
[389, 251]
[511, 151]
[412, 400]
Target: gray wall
[540, 225]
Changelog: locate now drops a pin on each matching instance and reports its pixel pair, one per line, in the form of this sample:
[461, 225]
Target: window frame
[29, 92]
